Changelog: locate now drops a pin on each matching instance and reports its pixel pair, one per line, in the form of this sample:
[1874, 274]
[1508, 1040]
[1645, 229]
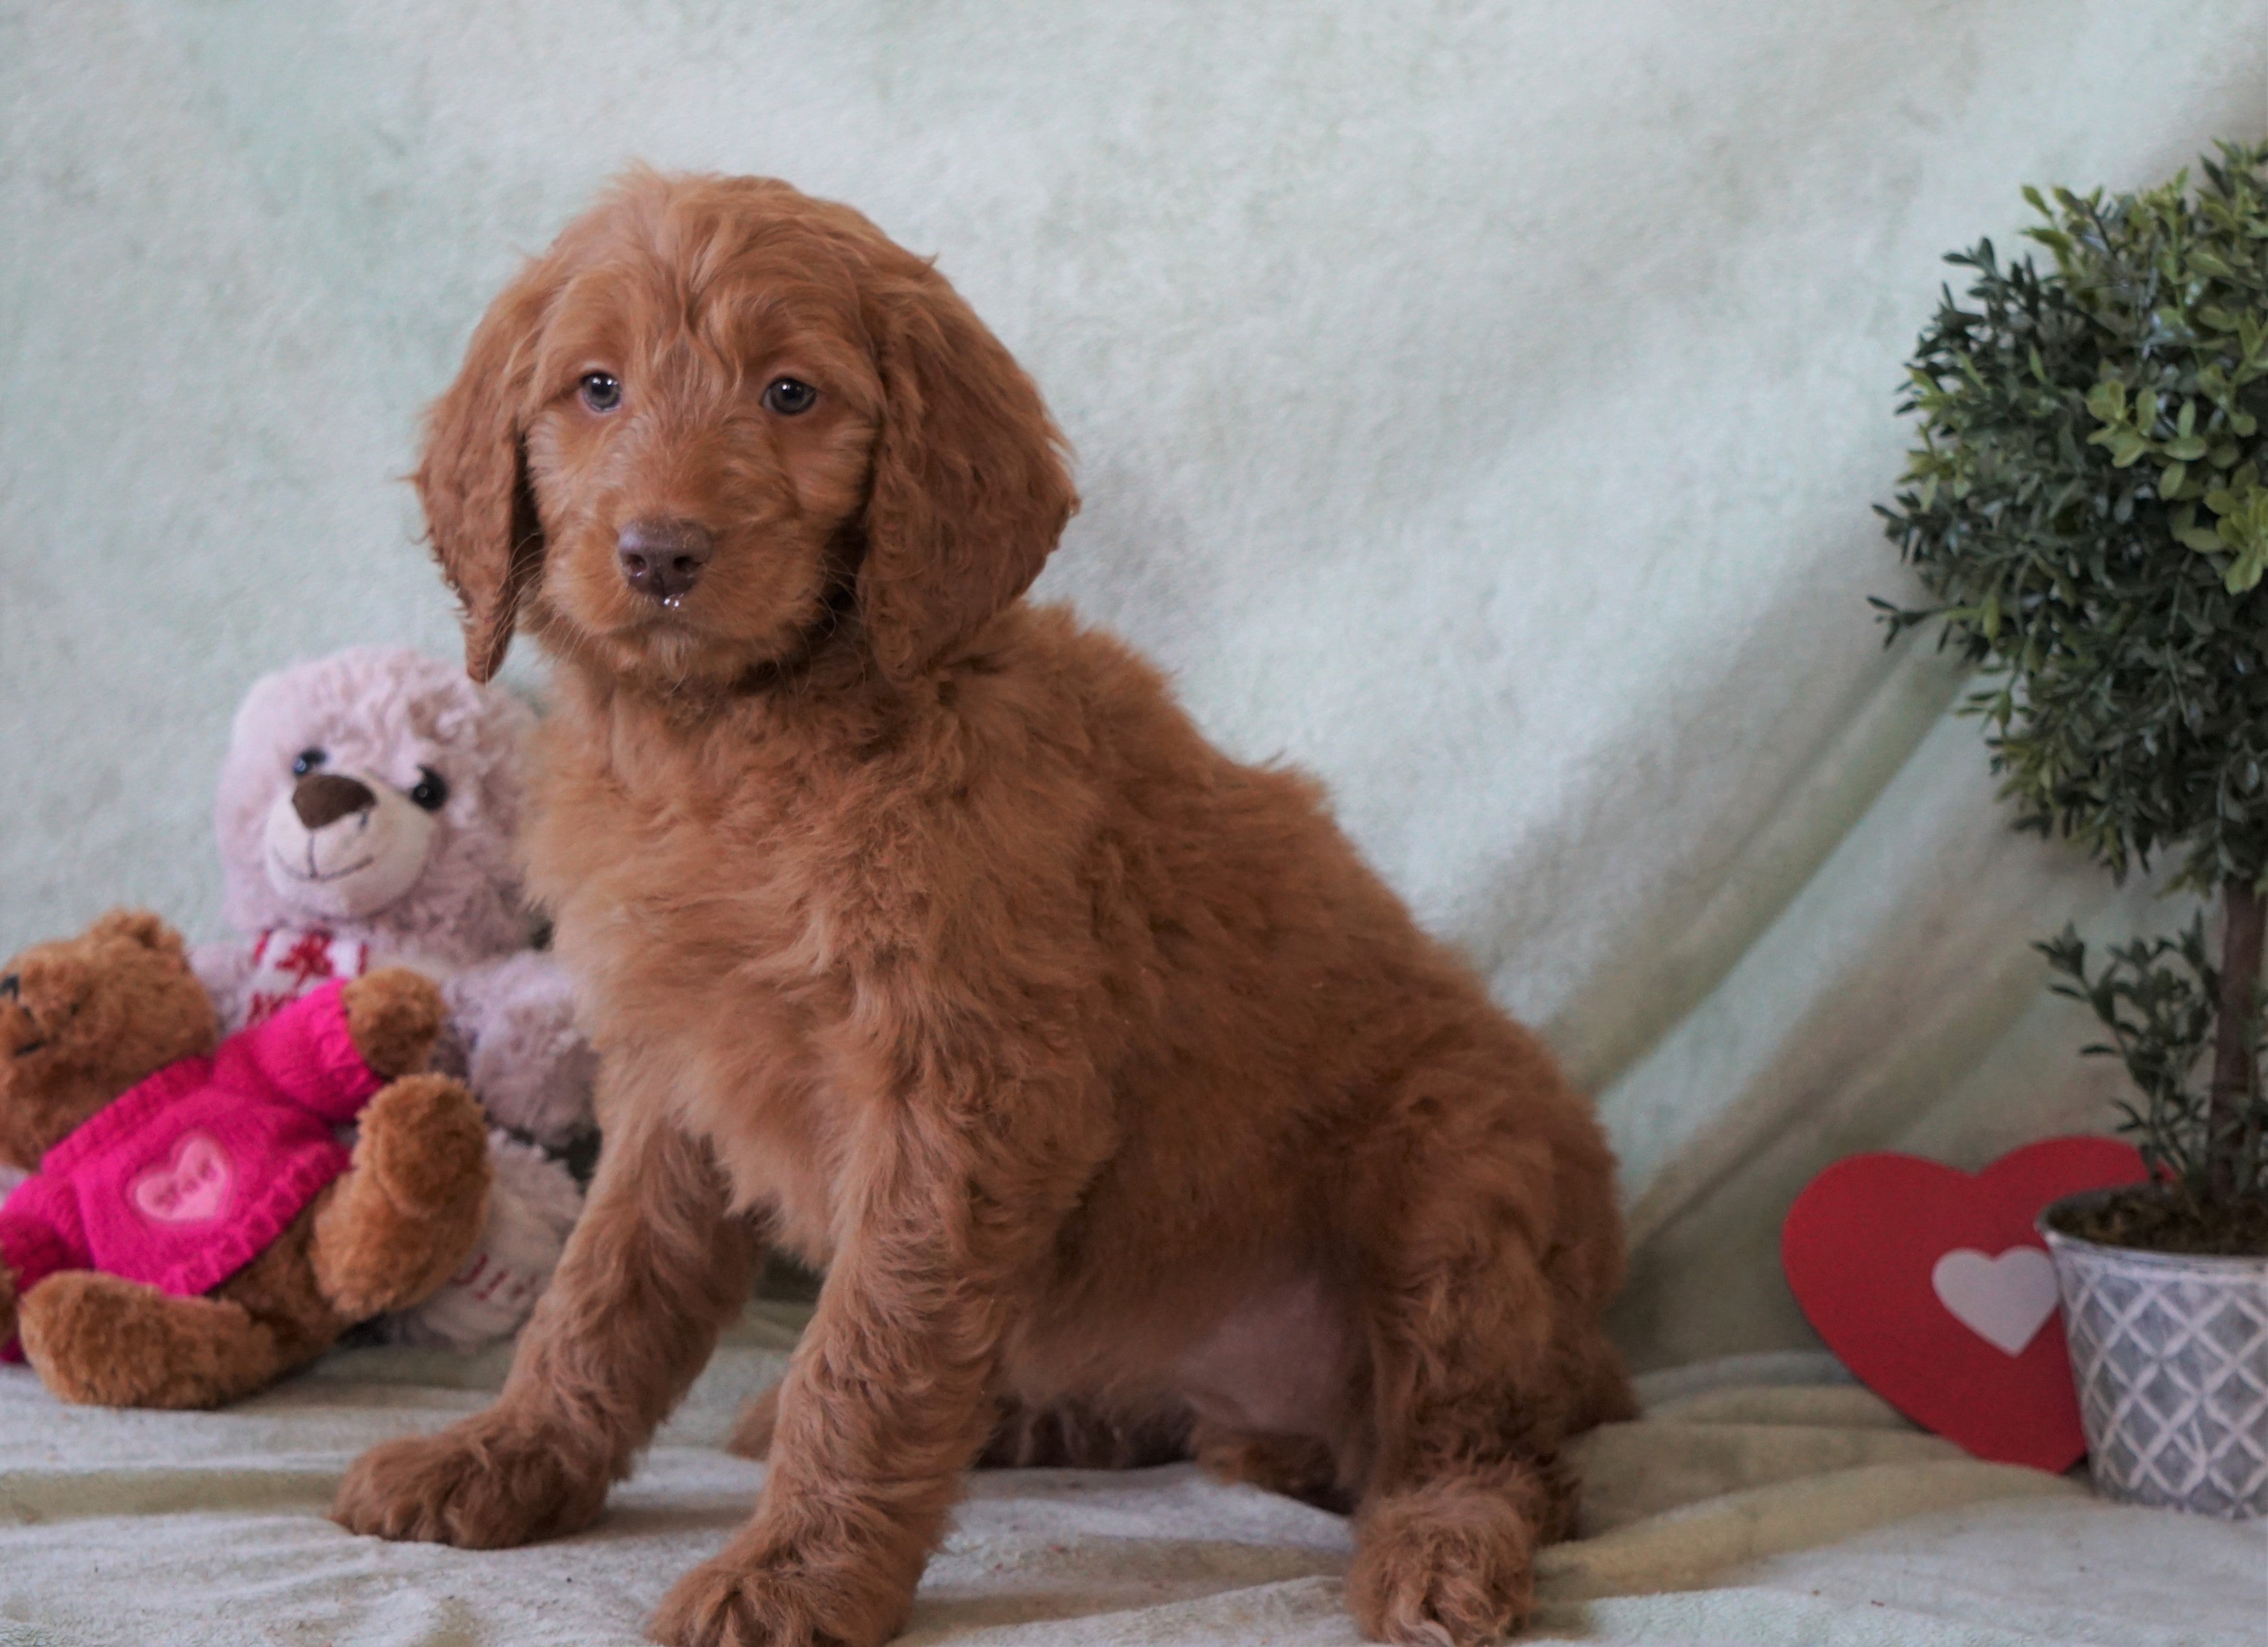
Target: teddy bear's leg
[103, 1342]
[406, 1213]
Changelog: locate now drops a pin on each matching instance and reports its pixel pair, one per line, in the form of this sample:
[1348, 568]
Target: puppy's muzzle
[662, 559]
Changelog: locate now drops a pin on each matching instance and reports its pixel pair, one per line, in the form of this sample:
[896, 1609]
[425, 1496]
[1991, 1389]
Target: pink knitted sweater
[185, 1178]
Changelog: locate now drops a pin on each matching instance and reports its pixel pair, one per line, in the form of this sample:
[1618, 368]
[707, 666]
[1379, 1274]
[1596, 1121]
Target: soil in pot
[2149, 1219]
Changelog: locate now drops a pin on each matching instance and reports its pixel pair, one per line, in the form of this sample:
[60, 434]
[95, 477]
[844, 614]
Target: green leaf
[2245, 571]
[2188, 449]
[2170, 479]
[2197, 537]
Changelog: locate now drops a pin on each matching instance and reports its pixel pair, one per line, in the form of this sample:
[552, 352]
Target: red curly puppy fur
[1129, 1113]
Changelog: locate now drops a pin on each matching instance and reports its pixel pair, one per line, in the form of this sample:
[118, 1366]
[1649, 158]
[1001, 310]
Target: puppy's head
[718, 423]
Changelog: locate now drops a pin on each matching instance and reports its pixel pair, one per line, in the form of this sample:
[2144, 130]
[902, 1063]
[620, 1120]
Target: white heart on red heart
[1934, 1290]
[191, 1187]
[2003, 1300]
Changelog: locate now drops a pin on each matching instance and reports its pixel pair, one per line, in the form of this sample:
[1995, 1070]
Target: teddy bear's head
[82, 1019]
[376, 792]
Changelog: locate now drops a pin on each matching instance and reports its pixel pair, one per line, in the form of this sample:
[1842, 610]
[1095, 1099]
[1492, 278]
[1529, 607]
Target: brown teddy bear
[192, 1230]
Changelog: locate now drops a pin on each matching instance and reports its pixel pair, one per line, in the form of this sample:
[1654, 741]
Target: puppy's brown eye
[603, 391]
[790, 395]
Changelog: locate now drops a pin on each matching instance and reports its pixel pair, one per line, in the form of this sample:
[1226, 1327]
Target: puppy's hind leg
[1070, 1434]
[1063, 1435]
[1304, 1468]
[1472, 1390]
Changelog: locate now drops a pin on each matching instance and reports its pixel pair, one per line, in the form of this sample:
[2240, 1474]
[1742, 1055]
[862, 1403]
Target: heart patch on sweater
[193, 1187]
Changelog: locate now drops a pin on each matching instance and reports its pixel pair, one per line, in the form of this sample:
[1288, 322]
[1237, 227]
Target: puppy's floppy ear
[472, 476]
[969, 489]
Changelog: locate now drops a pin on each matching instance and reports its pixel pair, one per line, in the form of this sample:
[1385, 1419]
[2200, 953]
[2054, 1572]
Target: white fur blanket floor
[1762, 1501]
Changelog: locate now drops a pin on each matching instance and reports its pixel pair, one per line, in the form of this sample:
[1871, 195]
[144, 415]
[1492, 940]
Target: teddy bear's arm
[328, 1052]
[35, 1243]
[526, 1062]
[225, 970]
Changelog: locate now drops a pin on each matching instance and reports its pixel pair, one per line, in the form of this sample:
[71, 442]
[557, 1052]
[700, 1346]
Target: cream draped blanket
[1759, 1501]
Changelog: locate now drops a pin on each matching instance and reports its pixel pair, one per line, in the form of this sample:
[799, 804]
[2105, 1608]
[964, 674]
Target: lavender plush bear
[366, 812]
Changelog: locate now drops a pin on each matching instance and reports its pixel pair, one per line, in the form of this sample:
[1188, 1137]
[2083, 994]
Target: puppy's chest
[662, 894]
[701, 937]
[744, 850]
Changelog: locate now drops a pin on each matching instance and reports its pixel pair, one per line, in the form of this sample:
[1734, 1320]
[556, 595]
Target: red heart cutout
[1918, 1275]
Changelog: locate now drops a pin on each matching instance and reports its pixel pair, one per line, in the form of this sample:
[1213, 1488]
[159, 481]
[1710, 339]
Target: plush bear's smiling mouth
[317, 878]
[358, 847]
[11, 993]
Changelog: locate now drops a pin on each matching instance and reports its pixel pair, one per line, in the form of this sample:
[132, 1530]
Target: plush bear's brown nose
[663, 558]
[321, 798]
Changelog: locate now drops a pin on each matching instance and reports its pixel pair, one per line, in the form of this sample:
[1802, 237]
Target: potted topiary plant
[2088, 511]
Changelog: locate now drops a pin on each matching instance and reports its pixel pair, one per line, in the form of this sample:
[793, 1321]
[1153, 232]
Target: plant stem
[2236, 1032]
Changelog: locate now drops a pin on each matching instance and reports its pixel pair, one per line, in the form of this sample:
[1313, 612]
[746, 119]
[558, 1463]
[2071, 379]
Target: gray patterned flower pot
[2171, 1355]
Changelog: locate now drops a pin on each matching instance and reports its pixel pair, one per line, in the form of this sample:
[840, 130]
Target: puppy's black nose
[321, 798]
[662, 558]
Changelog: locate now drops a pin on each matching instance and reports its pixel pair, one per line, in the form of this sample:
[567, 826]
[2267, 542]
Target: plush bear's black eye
[790, 395]
[603, 391]
[431, 793]
[305, 761]
[9, 985]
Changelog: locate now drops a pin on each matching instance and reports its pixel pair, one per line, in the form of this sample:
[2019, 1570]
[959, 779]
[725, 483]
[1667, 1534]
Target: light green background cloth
[1480, 404]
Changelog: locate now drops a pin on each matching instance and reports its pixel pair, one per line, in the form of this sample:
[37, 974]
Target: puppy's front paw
[781, 1602]
[475, 1485]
